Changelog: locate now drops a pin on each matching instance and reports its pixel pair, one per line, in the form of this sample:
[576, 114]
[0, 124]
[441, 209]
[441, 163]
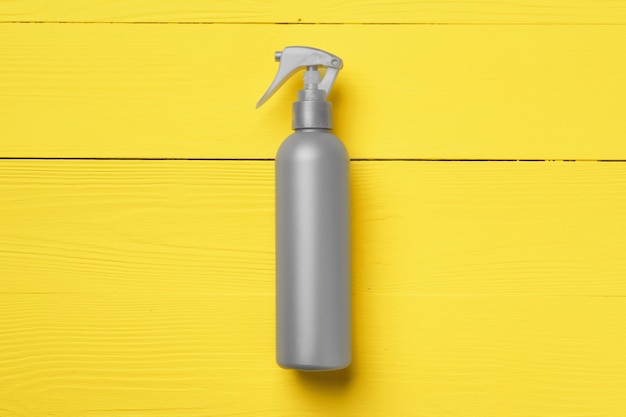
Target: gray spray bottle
[313, 330]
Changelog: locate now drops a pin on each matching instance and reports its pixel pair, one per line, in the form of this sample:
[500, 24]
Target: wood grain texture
[145, 288]
[201, 354]
[435, 228]
[321, 11]
[407, 91]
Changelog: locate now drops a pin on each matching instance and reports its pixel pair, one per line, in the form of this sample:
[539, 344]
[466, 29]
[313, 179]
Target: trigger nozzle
[294, 58]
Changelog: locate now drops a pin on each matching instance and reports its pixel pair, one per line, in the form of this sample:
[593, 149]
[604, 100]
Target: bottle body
[313, 323]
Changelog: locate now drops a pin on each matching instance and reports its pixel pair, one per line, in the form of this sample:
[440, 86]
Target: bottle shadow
[326, 383]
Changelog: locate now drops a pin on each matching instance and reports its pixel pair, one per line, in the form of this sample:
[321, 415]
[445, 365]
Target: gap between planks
[272, 159]
[95, 22]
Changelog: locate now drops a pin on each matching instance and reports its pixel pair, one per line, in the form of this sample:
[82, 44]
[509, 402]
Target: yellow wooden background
[489, 207]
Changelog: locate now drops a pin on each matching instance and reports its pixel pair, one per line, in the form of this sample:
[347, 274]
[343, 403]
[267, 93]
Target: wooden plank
[145, 288]
[192, 354]
[421, 228]
[407, 91]
[321, 11]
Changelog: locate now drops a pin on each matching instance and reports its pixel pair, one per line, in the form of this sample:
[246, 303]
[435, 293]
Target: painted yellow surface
[420, 228]
[429, 91]
[145, 288]
[319, 11]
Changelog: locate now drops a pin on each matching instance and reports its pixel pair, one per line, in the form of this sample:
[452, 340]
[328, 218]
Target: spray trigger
[294, 58]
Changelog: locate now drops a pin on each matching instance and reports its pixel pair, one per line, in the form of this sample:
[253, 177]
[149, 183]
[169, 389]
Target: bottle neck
[312, 111]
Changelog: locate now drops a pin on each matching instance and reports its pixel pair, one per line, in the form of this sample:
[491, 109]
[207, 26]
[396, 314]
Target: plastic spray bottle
[313, 329]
